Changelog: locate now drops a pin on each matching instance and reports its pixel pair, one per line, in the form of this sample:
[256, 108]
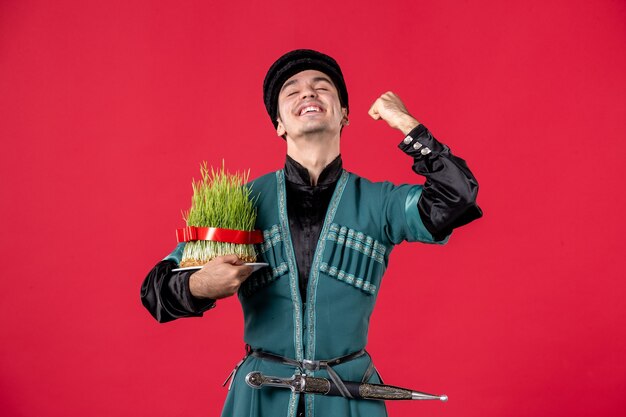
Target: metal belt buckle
[311, 365]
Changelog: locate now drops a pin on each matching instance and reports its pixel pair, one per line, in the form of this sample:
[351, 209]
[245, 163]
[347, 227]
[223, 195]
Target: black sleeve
[448, 199]
[166, 294]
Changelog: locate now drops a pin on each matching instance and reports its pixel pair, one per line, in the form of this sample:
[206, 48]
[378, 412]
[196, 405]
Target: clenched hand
[390, 108]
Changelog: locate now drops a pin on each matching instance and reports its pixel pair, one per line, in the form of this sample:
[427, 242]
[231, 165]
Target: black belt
[308, 365]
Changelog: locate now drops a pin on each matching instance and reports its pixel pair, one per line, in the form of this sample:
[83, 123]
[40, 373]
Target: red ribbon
[217, 234]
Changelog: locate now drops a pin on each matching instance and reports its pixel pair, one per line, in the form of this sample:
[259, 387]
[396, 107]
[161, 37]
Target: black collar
[297, 174]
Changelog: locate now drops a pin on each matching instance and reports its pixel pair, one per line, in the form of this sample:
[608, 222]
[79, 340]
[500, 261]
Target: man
[328, 235]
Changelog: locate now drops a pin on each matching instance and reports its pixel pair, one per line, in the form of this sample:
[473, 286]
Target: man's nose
[308, 91]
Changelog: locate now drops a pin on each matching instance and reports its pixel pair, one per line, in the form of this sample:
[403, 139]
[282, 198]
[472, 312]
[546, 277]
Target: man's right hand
[220, 278]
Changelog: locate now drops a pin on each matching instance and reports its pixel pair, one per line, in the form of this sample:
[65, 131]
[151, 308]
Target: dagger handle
[257, 380]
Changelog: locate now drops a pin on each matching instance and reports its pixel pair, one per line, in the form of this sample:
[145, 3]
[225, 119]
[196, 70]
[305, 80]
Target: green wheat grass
[220, 199]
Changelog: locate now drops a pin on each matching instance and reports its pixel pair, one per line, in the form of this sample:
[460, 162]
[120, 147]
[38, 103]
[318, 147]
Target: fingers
[228, 259]
[373, 111]
[243, 272]
[385, 102]
[390, 108]
[235, 266]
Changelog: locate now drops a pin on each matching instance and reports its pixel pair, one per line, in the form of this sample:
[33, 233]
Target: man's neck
[314, 155]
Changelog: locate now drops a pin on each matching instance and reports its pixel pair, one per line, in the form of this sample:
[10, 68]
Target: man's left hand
[390, 108]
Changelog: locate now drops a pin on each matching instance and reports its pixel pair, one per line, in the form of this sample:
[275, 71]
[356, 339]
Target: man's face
[308, 103]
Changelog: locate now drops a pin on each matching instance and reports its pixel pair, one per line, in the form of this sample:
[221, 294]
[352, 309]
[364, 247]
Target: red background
[107, 109]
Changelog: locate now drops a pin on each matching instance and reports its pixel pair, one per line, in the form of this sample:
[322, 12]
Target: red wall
[107, 109]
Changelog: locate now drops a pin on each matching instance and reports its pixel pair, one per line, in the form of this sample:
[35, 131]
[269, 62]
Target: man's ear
[344, 119]
[280, 129]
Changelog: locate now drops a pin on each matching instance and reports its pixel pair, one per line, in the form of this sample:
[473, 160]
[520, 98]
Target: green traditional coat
[363, 223]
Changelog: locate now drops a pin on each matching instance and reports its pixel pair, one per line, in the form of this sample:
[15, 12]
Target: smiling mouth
[310, 109]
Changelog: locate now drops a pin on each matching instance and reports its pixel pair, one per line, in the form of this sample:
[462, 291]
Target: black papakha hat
[294, 62]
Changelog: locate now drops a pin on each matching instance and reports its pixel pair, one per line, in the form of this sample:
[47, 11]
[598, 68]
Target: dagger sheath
[314, 385]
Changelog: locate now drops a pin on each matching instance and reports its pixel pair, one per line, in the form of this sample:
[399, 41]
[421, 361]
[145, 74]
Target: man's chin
[313, 130]
[316, 129]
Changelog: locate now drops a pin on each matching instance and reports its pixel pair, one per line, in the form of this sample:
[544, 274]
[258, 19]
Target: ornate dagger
[313, 385]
